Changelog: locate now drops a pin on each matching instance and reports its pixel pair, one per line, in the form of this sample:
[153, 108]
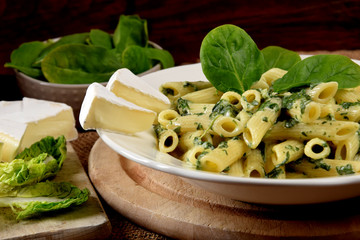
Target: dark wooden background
[180, 26]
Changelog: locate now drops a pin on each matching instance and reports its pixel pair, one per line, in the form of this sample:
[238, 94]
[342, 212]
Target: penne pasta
[348, 148]
[223, 156]
[260, 133]
[261, 122]
[317, 148]
[207, 95]
[323, 92]
[168, 141]
[254, 164]
[327, 167]
[327, 130]
[250, 100]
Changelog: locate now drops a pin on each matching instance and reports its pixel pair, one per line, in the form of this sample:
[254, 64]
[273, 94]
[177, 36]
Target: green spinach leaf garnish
[230, 59]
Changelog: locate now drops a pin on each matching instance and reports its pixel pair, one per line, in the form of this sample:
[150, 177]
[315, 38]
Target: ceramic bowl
[253, 190]
[71, 94]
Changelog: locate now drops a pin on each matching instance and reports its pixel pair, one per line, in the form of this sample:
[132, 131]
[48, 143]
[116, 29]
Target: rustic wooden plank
[87, 221]
[170, 206]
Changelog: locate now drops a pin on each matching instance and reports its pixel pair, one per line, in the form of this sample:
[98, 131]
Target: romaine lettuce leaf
[40, 161]
[32, 200]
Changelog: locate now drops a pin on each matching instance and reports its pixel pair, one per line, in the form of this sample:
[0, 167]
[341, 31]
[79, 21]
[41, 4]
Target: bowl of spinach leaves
[61, 69]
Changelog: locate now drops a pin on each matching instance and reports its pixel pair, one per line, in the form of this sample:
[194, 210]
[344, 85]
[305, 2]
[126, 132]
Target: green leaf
[278, 57]
[139, 59]
[101, 39]
[161, 55]
[72, 38]
[230, 59]
[320, 68]
[23, 58]
[40, 161]
[131, 30]
[33, 200]
[79, 64]
[135, 59]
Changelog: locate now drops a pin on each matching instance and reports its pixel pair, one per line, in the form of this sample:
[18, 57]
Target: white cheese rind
[11, 134]
[24, 122]
[123, 83]
[103, 109]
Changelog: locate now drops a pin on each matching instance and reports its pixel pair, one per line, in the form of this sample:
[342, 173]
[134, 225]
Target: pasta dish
[307, 133]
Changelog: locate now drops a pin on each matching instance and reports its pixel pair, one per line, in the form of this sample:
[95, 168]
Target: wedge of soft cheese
[32, 120]
[103, 109]
[123, 83]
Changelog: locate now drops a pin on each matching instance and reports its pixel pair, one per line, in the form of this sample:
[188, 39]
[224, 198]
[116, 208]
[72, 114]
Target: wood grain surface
[168, 205]
[87, 221]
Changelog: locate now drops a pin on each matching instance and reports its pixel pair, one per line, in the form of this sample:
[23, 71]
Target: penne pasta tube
[227, 126]
[168, 141]
[273, 74]
[200, 108]
[233, 98]
[327, 167]
[348, 148]
[347, 112]
[207, 95]
[305, 112]
[190, 139]
[223, 156]
[261, 84]
[323, 92]
[166, 116]
[287, 151]
[261, 122]
[254, 164]
[250, 100]
[190, 123]
[174, 90]
[327, 110]
[347, 95]
[192, 154]
[326, 130]
[317, 148]
[236, 169]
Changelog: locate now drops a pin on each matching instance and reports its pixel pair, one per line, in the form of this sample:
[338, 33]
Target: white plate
[141, 148]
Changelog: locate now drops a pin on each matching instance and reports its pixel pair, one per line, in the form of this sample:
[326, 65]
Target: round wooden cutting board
[168, 205]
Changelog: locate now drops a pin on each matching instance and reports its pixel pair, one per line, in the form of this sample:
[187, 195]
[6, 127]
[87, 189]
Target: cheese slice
[103, 109]
[11, 133]
[32, 120]
[123, 83]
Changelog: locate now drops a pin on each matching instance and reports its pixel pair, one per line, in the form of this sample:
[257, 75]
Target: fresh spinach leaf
[230, 59]
[79, 64]
[72, 38]
[139, 59]
[131, 30]
[278, 57]
[100, 38]
[135, 59]
[23, 58]
[164, 57]
[320, 68]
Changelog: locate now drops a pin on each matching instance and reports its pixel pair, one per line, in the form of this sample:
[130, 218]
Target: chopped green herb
[183, 106]
[168, 91]
[225, 108]
[345, 170]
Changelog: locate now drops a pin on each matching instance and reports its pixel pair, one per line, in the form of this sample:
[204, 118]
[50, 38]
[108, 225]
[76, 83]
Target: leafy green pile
[91, 57]
[24, 184]
[231, 61]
